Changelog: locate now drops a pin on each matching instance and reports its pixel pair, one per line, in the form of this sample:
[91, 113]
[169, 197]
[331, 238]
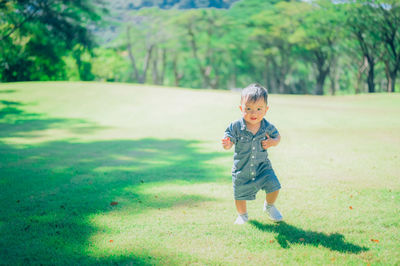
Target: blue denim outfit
[252, 170]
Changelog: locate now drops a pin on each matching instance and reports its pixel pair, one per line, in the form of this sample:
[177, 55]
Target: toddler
[252, 170]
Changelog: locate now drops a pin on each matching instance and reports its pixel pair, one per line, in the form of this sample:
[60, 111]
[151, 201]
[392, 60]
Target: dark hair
[254, 92]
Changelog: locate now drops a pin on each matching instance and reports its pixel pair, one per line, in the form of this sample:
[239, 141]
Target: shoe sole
[274, 220]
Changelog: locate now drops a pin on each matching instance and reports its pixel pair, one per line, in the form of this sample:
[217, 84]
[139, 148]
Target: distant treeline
[298, 47]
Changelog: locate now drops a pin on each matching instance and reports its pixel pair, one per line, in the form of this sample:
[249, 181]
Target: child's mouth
[253, 118]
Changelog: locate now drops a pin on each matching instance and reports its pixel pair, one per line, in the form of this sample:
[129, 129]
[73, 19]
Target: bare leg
[271, 197]
[270, 209]
[241, 206]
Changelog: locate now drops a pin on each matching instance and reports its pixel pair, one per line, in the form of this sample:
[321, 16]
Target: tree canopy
[35, 35]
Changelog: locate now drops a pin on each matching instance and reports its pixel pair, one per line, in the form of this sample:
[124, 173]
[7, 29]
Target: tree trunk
[321, 77]
[367, 51]
[393, 82]
[78, 61]
[206, 77]
[131, 57]
[285, 69]
[323, 68]
[154, 72]
[270, 80]
[391, 77]
[163, 66]
[204, 71]
[142, 78]
[157, 73]
[215, 82]
[232, 82]
[277, 76]
[371, 75]
[281, 79]
[266, 76]
[178, 76]
[334, 76]
[361, 70]
[333, 85]
[319, 90]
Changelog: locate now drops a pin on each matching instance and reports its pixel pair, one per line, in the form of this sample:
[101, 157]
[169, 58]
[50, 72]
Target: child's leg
[242, 210]
[271, 197]
[241, 206]
[269, 207]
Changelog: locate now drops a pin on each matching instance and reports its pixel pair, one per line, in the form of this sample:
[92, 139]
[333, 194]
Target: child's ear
[240, 107]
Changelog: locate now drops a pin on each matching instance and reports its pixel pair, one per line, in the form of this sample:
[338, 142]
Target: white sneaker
[273, 213]
[241, 220]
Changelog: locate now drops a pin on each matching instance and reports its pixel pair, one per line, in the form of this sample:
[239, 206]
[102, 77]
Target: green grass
[67, 150]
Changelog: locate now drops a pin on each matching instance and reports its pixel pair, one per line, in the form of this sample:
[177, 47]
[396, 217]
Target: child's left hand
[269, 142]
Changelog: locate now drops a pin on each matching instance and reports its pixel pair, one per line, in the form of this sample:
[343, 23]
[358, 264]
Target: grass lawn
[95, 173]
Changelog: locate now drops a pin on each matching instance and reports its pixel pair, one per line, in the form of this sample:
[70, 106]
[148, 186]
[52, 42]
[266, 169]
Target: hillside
[166, 4]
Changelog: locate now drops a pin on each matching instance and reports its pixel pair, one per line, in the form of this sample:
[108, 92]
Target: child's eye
[259, 109]
[248, 109]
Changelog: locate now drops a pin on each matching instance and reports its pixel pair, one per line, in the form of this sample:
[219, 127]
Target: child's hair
[254, 92]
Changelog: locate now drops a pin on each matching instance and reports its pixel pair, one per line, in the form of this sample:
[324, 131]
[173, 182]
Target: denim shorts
[247, 188]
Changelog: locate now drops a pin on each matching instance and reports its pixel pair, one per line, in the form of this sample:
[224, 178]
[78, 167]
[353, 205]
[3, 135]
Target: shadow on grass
[15, 122]
[10, 108]
[288, 234]
[8, 91]
[49, 190]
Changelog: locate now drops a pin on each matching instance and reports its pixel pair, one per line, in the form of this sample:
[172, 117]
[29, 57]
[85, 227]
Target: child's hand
[227, 143]
[270, 142]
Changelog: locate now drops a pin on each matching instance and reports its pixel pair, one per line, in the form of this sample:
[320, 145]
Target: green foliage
[35, 35]
[298, 47]
[321, 31]
[110, 65]
[290, 46]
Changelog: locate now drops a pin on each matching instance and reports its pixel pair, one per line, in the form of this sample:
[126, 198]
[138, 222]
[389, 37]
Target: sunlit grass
[67, 150]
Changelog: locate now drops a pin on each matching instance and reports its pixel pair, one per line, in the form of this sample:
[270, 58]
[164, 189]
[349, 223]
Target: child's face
[253, 112]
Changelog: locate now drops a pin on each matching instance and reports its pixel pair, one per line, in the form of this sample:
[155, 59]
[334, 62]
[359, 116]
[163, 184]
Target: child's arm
[270, 142]
[229, 137]
[227, 143]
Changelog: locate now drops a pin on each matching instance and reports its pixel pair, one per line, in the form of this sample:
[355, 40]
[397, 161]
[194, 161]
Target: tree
[389, 31]
[146, 36]
[244, 52]
[274, 31]
[362, 21]
[35, 35]
[204, 29]
[319, 30]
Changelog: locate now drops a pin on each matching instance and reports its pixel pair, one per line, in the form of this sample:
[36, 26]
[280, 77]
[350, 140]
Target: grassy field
[94, 173]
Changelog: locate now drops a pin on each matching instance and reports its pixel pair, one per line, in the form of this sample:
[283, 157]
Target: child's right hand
[227, 143]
